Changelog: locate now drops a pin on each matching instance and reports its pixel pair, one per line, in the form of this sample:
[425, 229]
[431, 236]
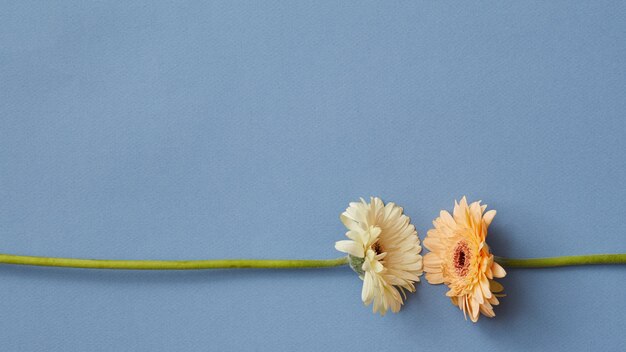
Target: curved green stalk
[562, 261]
[171, 264]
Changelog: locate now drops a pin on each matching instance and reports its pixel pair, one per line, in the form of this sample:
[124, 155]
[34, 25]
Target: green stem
[171, 264]
[279, 263]
[562, 261]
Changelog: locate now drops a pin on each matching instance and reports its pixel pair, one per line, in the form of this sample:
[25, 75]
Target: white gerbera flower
[384, 250]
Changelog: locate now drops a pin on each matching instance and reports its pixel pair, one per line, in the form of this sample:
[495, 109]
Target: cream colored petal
[395, 306]
[348, 223]
[355, 235]
[377, 266]
[350, 247]
[374, 232]
[381, 256]
[367, 293]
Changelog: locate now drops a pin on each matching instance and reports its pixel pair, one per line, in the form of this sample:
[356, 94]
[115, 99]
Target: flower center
[462, 256]
[377, 247]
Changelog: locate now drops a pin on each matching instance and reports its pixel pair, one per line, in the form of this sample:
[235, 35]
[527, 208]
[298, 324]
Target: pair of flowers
[384, 250]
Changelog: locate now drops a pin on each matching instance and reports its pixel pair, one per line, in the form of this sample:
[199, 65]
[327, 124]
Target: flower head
[460, 258]
[384, 250]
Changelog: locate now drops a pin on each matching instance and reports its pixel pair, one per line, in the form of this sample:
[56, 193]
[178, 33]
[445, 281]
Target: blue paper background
[189, 130]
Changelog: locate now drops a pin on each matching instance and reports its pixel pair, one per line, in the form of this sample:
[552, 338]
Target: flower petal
[488, 217]
[350, 247]
[384, 236]
[498, 271]
[367, 293]
[470, 285]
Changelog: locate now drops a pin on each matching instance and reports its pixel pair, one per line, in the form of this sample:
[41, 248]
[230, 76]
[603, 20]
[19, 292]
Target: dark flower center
[377, 247]
[461, 260]
[462, 256]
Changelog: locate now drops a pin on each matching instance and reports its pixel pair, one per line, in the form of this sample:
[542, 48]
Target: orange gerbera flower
[460, 258]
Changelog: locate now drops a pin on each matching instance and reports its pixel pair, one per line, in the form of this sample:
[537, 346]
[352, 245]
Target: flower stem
[562, 261]
[171, 264]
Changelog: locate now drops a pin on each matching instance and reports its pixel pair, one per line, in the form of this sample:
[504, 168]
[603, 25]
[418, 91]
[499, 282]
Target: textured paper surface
[190, 130]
